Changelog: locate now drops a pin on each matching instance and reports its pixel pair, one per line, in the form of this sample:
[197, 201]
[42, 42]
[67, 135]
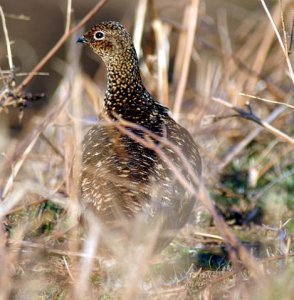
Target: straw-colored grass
[232, 87]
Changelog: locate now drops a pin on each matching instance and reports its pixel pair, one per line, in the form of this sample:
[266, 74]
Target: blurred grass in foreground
[249, 171]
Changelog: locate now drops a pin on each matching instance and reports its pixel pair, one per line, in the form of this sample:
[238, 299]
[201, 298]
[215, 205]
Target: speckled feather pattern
[121, 178]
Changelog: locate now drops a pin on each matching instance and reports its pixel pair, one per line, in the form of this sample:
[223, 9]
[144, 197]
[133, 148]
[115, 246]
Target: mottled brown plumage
[120, 178]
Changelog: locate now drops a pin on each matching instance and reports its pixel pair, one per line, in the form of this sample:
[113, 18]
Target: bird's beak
[82, 40]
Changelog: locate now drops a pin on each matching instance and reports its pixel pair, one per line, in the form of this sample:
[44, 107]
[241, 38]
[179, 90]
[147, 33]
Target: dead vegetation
[239, 243]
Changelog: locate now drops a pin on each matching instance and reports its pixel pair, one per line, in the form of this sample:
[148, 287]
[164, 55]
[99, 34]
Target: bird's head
[107, 39]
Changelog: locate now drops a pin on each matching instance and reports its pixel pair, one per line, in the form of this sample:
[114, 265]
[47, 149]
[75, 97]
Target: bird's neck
[125, 90]
[123, 69]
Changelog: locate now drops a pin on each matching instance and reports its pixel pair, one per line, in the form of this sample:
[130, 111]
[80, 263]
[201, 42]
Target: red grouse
[122, 179]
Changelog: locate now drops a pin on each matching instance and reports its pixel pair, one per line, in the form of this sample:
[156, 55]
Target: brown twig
[14, 96]
[250, 115]
[236, 150]
[58, 45]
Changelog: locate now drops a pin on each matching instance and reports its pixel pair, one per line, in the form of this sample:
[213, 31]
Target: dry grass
[248, 166]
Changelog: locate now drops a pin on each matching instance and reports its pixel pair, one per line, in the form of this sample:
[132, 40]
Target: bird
[122, 178]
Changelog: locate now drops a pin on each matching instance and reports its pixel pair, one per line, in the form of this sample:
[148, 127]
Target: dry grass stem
[18, 17]
[207, 235]
[68, 16]
[139, 25]
[189, 24]
[90, 248]
[291, 39]
[49, 250]
[284, 49]
[162, 43]
[7, 41]
[27, 148]
[267, 36]
[266, 100]
[241, 233]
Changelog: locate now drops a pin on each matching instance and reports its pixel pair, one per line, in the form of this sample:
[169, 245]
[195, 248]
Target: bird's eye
[99, 35]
